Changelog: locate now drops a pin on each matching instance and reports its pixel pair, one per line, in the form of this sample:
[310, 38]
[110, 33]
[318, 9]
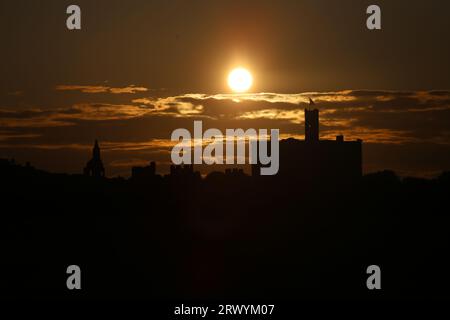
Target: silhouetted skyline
[182, 237]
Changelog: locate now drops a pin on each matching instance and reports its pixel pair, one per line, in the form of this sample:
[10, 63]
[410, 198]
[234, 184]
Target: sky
[137, 70]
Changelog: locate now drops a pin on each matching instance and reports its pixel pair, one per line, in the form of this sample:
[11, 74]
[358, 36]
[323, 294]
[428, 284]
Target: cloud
[40, 118]
[153, 145]
[144, 101]
[336, 108]
[296, 98]
[84, 89]
[11, 135]
[365, 114]
[30, 118]
[170, 106]
[141, 129]
[295, 116]
[129, 89]
[101, 89]
[102, 111]
[394, 101]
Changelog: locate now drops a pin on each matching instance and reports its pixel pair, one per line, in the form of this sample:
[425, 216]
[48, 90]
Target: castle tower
[311, 123]
[94, 167]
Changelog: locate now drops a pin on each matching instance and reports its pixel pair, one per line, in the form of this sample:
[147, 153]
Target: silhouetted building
[144, 173]
[320, 161]
[182, 170]
[336, 161]
[183, 176]
[94, 167]
[311, 124]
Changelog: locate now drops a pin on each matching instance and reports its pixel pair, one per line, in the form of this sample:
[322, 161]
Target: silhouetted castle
[317, 161]
[94, 167]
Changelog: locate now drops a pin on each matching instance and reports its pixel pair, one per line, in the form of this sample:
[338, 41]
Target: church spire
[94, 167]
[96, 151]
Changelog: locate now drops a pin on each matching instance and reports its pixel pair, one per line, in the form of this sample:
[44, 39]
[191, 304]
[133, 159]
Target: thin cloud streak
[101, 89]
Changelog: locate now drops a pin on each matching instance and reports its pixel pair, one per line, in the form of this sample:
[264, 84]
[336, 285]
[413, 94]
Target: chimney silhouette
[311, 123]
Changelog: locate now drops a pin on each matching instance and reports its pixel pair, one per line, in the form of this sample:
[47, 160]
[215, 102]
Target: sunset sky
[140, 69]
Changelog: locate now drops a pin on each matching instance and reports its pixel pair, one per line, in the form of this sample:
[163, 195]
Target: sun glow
[240, 80]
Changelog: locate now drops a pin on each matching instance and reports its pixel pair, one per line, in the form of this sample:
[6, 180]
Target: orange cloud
[84, 89]
[101, 89]
[40, 118]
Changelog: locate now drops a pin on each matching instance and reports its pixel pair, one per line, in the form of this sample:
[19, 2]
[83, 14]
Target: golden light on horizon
[240, 80]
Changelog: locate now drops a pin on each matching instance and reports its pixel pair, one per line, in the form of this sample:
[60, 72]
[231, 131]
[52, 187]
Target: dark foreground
[223, 237]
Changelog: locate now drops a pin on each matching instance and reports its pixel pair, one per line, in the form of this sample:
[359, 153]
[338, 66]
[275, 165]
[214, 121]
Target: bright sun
[240, 80]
